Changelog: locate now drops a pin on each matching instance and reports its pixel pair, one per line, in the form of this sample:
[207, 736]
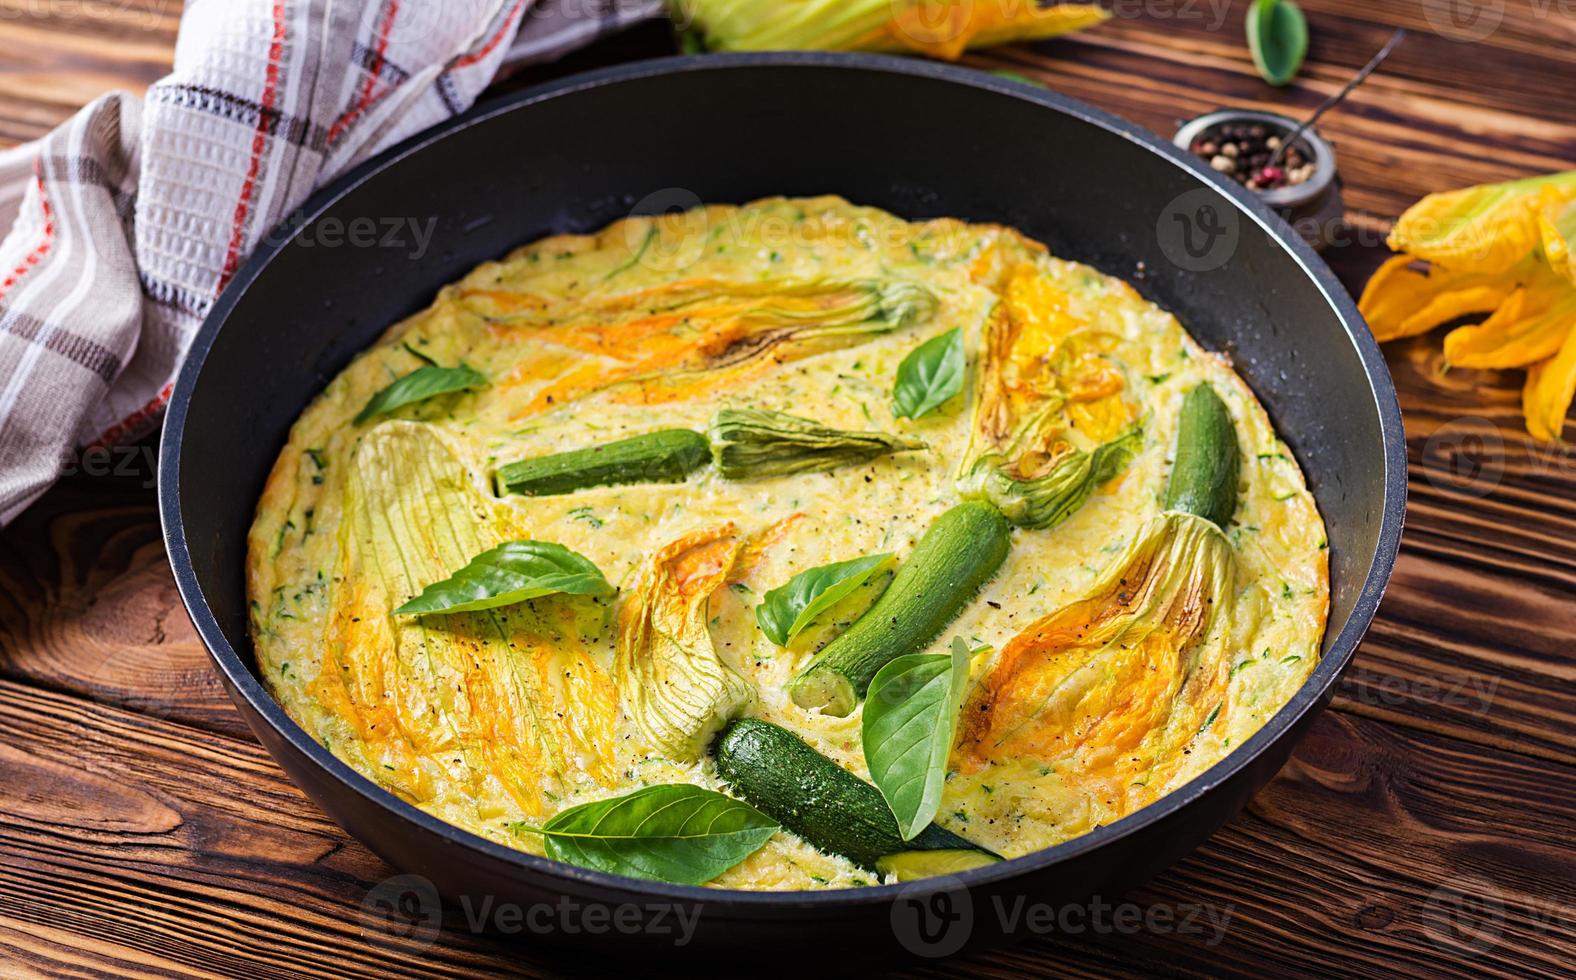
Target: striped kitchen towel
[125, 223]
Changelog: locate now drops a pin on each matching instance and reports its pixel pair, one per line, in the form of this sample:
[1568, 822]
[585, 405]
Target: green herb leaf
[512, 572]
[788, 609]
[911, 715]
[929, 375]
[1277, 38]
[675, 833]
[419, 385]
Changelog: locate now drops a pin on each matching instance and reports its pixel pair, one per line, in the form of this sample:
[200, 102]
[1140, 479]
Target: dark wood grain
[1424, 828]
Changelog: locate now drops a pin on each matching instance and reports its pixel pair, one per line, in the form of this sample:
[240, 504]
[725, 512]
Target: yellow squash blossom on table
[936, 28]
[1504, 250]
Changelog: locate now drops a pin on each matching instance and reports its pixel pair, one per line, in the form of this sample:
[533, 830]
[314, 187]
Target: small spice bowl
[1312, 206]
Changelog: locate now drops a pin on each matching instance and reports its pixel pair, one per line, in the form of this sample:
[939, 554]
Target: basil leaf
[1277, 38]
[512, 572]
[420, 384]
[929, 375]
[676, 833]
[788, 609]
[911, 715]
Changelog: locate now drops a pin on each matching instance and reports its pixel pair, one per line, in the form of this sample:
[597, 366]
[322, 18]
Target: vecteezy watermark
[679, 235]
[408, 909]
[1478, 20]
[936, 917]
[1464, 20]
[135, 462]
[1470, 692]
[398, 233]
[1196, 232]
[1470, 455]
[1212, 12]
[1466, 455]
[566, 916]
[1465, 915]
[404, 907]
[141, 13]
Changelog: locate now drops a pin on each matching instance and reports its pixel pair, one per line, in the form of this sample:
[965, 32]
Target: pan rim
[243, 682]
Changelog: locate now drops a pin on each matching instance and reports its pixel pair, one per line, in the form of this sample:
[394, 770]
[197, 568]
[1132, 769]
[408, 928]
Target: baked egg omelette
[785, 546]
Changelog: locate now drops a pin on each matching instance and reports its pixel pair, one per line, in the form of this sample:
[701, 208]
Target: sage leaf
[929, 375]
[512, 572]
[419, 385]
[676, 833]
[911, 717]
[787, 610]
[1277, 39]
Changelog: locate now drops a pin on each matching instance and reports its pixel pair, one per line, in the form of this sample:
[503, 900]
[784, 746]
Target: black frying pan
[918, 139]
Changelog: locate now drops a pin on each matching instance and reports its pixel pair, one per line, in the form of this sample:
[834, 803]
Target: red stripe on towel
[232, 256]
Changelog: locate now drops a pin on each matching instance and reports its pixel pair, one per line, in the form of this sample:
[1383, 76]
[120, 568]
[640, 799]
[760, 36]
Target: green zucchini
[668, 456]
[1204, 476]
[835, 811]
[958, 554]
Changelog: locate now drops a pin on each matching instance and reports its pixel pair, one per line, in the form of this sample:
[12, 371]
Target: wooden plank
[88, 603]
[57, 57]
[143, 845]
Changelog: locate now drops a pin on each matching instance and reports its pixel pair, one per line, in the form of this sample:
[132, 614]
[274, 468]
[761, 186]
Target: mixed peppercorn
[1244, 151]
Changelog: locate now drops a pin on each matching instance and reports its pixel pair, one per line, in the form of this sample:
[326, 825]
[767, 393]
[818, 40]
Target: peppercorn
[1243, 152]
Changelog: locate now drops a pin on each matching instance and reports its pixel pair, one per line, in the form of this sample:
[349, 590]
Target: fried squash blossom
[683, 415]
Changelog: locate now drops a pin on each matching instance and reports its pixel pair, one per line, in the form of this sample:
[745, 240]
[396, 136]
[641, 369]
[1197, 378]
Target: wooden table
[1427, 825]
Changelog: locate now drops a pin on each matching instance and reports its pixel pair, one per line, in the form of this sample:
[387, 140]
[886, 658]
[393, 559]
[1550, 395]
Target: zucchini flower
[1141, 661]
[1048, 500]
[936, 28]
[754, 443]
[670, 679]
[1504, 251]
[1050, 421]
[441, 703]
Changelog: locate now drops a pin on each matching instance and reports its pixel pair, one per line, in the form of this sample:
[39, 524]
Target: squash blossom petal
[1507, 250]
[1123, 677]
[443, 705]
[936, 28]
[1408, 296]
[1045, 392]
[1548, 392]
[1528, 327]
[1048, 500]
[1485, 229]
[1557, 226]
[670, 679]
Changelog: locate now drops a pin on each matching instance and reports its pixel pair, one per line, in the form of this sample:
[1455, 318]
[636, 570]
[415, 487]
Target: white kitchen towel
[125, 223]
